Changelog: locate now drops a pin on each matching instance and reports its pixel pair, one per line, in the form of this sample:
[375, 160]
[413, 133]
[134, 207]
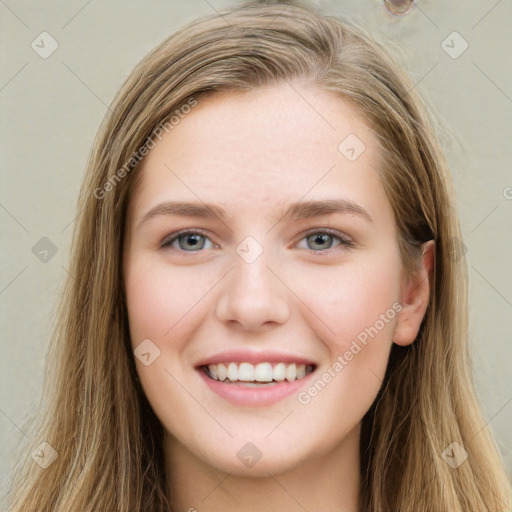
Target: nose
[253, 296]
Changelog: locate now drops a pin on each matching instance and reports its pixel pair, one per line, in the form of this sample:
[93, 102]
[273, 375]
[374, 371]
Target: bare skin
[309, 294]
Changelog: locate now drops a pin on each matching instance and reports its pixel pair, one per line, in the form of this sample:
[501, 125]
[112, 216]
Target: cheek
[161, 301]
[149, 307]
[355, 308]
[355, 314]
[163, 306]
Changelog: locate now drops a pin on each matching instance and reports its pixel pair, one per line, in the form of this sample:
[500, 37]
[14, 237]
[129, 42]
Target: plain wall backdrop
[55, 89]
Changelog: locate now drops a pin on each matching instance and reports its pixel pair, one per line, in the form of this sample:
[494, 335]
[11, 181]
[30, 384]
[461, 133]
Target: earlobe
[415, 295]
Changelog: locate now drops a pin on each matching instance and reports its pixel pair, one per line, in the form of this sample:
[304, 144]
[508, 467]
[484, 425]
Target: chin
[250, 460]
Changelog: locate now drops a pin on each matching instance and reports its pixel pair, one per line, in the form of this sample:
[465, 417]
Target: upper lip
[254, 357]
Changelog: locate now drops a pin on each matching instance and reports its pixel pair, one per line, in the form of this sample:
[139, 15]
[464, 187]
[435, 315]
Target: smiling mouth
[260, 374]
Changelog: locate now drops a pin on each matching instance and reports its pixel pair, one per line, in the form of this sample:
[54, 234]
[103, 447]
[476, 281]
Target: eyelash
[345, 242]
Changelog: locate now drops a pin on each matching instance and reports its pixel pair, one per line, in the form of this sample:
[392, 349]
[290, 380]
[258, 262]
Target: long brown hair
[95, 414]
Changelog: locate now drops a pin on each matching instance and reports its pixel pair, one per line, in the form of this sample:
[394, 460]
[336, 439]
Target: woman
[257, 368]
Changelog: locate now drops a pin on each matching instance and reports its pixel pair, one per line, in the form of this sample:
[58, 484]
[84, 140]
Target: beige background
[51, 109]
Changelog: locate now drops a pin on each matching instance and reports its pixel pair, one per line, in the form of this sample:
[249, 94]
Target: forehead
[261, 149]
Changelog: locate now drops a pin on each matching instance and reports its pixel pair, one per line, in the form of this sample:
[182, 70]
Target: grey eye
[187, 241]
[320, 241]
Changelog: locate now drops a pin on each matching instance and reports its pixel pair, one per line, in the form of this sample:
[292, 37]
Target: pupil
[192, 240]
[321, 238]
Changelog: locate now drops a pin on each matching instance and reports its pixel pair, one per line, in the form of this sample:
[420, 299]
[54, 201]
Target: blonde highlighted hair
[95, 414]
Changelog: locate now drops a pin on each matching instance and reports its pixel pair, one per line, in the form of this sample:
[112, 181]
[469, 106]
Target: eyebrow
[306, 209]
[296, 211]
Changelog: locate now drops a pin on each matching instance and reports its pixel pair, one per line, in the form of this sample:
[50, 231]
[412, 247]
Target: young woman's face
[260, 245]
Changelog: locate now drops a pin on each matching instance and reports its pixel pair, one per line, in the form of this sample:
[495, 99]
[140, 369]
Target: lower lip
[239, 394]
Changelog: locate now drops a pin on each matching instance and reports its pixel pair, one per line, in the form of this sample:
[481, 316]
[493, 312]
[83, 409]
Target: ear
[414, 298]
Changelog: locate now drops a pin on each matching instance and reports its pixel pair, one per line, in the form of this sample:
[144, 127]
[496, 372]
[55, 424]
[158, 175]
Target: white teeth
[221, 372]
[261, 372]
[246, 372]
[291, 372]
[233, 372]
[279, 371]
[212, 368]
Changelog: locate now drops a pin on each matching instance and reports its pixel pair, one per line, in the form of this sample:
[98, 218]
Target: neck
[329, 482]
